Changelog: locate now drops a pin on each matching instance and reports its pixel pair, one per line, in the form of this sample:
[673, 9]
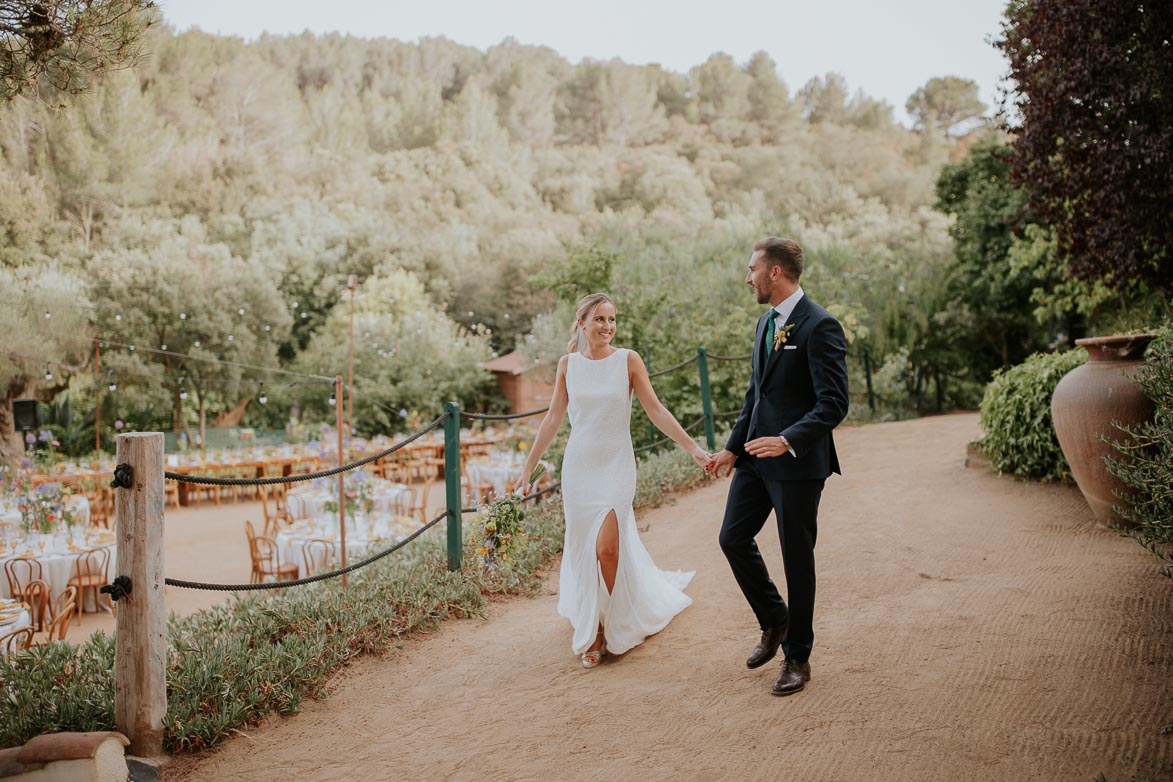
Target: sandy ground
[969, 627]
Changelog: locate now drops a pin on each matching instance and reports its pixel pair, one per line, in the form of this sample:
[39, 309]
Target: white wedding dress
[598, 475]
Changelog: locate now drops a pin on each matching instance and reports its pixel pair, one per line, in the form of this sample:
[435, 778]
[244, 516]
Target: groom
[783, 451]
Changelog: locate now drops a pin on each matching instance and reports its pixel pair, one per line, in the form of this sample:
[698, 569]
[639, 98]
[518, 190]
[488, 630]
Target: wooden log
[140, 683]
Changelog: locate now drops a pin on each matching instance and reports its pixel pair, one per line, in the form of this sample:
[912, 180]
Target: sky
[886, 49]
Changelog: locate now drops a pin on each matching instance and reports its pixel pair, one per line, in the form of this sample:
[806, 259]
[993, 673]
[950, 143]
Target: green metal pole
[702, 362]
[867, 369]
[452, 482]
[651, 426]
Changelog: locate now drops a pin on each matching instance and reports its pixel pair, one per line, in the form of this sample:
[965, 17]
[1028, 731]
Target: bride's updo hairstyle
[585, 307]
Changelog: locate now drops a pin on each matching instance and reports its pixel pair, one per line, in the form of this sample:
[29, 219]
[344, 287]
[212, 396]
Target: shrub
[1146, 463]
[1016, 416]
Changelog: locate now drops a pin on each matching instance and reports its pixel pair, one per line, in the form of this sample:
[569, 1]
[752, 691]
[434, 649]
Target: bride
[610, 589]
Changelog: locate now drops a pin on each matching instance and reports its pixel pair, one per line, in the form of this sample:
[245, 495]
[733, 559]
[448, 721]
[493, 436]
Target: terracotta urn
[1086, 403]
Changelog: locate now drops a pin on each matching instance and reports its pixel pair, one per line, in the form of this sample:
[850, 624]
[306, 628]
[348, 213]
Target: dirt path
[968, 627]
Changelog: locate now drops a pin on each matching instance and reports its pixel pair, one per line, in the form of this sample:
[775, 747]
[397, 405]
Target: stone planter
[1084, 406]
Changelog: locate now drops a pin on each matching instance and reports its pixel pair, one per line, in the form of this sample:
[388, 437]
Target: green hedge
[1016, 416]
[1145, 464]
[232, 665]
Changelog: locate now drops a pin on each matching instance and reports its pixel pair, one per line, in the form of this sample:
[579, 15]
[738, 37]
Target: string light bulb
[183, 316]
[48, 374]
[47, 314]
[263, 399]
[333, 399]
[113, 386]
[183, 387]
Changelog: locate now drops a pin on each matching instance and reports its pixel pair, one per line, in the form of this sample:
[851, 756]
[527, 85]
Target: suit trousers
[796, 507]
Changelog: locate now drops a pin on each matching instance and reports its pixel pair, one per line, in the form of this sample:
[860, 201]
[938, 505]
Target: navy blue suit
[798, 391]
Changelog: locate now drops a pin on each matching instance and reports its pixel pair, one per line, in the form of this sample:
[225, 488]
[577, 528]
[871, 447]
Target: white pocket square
[790, 347]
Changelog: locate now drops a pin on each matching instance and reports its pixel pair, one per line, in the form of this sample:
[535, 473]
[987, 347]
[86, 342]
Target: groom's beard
[763, 295]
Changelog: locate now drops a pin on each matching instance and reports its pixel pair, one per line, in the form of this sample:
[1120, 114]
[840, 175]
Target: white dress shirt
[782, 315]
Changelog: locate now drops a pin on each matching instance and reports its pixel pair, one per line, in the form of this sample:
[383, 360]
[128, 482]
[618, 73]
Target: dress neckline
[604, 358]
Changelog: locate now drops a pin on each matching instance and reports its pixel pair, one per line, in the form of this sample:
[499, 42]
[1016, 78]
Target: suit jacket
[799, 392]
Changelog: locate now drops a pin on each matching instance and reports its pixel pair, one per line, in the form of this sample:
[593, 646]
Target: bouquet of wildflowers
[497, 532]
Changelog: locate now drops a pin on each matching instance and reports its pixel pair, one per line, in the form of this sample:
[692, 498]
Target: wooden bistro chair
[266, 555]
[16, 641]
[37, 595]
[20, 571]
[91, 571]
[63, 611]
[317, 554]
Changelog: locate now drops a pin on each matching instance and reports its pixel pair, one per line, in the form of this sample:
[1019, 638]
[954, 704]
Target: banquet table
[10, 513]
[58, 558]
[361, 534]
[387, 499]
[501, 474]
[13, 616]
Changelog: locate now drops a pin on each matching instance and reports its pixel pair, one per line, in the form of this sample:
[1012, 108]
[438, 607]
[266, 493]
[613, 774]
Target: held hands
[723, 459]
[703, 459]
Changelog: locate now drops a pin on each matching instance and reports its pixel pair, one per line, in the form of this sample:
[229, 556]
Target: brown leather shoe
[767, 647]
[792, 678]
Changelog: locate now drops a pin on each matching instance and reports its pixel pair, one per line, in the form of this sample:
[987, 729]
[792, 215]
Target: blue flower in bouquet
[45, 436]
[49, 489]
[25, 463]
[30, 438]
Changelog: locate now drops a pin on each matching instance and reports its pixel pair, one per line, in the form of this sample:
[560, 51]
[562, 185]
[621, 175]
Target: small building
[526, 385]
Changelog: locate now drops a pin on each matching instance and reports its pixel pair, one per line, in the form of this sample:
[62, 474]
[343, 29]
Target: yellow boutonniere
[782, 335]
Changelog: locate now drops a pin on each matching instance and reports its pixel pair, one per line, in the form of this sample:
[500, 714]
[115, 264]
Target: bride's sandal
[592, 658]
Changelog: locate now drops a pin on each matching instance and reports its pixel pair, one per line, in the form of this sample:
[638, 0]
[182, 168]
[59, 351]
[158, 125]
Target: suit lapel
[796, 317]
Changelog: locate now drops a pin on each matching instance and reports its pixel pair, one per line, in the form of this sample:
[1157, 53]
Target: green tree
[990, 316]
[43, 332]
[948, 105]
[67, 43]
[1091, 115]
[408, 356]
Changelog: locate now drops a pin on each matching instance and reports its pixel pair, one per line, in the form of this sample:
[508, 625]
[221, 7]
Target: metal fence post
[651, 426]
[702, 361]
[867, 371]
[452, 482]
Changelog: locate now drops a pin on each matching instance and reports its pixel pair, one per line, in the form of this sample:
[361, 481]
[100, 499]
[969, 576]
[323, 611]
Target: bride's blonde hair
[586, 305]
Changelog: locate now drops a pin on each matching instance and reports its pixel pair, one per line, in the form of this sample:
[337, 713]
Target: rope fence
[309, 476]
[673, 368]
[509, 417]
[175, 582]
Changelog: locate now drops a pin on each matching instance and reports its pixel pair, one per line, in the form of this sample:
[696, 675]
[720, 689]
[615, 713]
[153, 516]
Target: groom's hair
[783, 253]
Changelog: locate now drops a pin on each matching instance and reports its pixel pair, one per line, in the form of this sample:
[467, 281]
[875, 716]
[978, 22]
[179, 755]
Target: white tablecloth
[9, 625]
[57, 561]
[501, 475]
[78, 505]
[387, 499]
[382, 531]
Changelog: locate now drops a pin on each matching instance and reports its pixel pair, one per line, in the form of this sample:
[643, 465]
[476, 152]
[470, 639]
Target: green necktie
[770, 327]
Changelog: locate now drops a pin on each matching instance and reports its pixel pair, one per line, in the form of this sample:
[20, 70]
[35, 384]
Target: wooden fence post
[140, 683]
